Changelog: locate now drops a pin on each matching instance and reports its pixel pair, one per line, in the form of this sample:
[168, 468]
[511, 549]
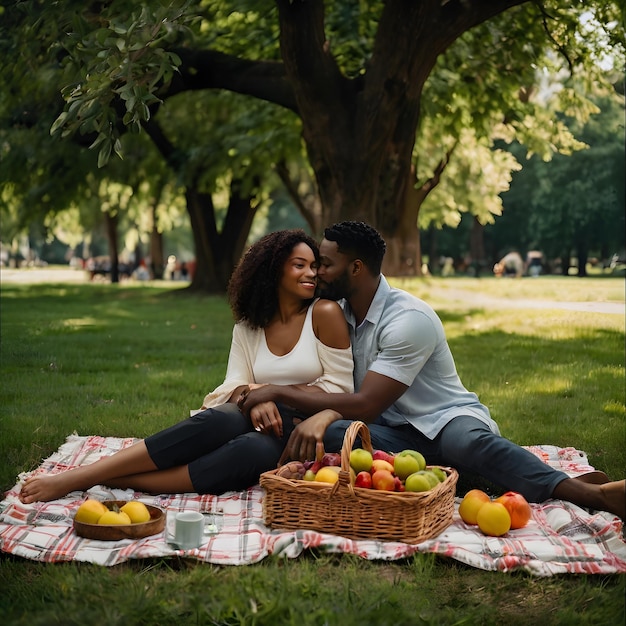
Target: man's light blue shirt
[403, 338]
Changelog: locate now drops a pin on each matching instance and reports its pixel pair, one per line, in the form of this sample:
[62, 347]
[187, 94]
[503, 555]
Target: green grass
[128, 360]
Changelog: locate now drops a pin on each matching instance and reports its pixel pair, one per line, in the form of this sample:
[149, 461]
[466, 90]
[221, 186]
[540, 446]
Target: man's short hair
[359, 240]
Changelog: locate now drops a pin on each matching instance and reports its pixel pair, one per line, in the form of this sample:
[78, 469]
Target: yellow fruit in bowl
[114, 518]
[90, 511]
[137, 511]
[328, 474]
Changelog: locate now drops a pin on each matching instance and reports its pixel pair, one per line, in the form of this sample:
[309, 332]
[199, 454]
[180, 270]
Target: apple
[363, 480]
[439, 473]
[398, 484]
[382, 455]
[316, 467]
[361, 460]
[383, 480]
[309, 475]
[405, 464]
[518, 508]
[380, 464]
[417, 482]
[331, 459]
[432, 479]
[471, 504]
[418, 456]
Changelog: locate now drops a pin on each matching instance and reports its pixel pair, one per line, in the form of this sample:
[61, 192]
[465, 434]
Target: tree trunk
[111, 230]
[582, 255]
[477, 247]
[218, 253]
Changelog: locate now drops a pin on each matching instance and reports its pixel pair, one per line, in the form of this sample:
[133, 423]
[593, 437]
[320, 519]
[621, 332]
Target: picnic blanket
[560, 538]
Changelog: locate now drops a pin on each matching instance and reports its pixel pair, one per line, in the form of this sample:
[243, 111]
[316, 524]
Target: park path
[60, 275]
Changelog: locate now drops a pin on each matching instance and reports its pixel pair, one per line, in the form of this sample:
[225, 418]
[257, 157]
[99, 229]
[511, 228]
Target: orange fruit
[137, 511]
[493, 519]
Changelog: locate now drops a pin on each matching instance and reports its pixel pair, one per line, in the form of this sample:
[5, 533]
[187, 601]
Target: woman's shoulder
[326, 308]
[329, 324]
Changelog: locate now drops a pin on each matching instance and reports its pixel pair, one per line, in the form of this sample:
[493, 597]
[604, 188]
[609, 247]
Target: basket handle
[357, 427]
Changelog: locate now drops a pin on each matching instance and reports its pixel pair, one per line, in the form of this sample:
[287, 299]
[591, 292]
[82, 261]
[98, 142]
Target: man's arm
[377, 394]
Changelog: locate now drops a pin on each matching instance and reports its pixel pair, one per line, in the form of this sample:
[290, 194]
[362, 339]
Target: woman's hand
[265, 418]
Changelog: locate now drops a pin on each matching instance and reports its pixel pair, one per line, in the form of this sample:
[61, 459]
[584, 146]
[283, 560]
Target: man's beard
[338, 289]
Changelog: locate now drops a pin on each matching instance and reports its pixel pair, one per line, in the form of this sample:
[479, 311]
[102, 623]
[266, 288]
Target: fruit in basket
[90, 511]
[417, 482]
[430, 476]
[493, 519]
[331, 459]
[381, 454]
[136, 511]
[439, 473]
[361, 460]
[383, 480]
[380, 464]
[405, 464]
[364, 480]
[398, 484]
[418, 456]
[517, 506]
[292, 470]
[328, 474]
[114, 517]
[471, 504]
[309, 475]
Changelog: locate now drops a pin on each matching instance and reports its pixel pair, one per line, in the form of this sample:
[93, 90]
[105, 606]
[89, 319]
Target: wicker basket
[348, 511]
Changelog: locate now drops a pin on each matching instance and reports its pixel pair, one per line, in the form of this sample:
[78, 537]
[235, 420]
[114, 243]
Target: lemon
[137, 511]
[114, 518]
[328, 474]
[90, 511]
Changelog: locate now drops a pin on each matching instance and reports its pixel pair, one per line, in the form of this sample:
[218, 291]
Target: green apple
[415, 454]
[417, 482]
[361, 460]
[405, 465]
[439, 473]
[434, 481]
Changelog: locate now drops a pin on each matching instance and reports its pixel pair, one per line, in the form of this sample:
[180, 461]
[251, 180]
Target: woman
[282, 335]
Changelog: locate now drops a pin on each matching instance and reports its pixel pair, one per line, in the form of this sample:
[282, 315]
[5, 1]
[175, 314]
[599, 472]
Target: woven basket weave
[353, 512]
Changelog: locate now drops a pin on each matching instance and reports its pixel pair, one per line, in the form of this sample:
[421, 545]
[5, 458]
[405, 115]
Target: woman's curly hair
[252, 289]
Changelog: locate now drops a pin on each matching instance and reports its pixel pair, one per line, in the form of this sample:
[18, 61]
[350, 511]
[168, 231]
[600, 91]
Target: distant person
[283, 335]
[510, 265]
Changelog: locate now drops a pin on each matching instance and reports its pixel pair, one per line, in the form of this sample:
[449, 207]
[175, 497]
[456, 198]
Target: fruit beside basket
[342, 508]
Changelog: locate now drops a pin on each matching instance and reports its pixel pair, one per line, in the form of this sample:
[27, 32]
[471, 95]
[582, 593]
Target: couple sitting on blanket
[292, 383]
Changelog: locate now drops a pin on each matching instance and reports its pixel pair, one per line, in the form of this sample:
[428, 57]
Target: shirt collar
[376, 307]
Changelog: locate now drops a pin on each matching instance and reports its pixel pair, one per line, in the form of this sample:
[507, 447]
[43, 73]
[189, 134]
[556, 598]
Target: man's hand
[265, 418]
[307, 435]
[257, 394]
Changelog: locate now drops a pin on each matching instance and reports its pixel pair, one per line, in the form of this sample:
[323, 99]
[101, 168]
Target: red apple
[517, 506]
[398, 484]
[364, 480]
[383, 480]
[331, 459]
[385, 456]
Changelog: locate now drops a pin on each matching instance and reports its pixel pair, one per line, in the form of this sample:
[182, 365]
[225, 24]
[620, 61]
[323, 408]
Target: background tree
[358, 98]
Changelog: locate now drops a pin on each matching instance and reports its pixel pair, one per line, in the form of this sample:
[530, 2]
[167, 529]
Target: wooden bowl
[115, 532]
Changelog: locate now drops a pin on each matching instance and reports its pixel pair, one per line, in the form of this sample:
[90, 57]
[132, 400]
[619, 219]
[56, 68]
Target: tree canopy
[385, 95]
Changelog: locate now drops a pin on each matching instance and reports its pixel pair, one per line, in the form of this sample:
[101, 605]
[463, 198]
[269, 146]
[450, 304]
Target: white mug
[188, 529]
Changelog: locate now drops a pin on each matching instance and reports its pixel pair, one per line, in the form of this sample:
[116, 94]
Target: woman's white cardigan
[337, 366]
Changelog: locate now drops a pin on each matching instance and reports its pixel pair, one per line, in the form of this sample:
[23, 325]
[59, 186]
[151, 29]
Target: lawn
[126, 360]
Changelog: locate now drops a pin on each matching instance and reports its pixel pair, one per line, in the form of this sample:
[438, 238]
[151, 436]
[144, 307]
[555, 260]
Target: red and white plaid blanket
[560, 538]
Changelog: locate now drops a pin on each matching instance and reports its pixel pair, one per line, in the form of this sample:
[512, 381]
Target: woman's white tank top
[300, 366]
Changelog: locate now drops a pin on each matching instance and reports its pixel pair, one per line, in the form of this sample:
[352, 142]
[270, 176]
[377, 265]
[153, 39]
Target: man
[407, 388]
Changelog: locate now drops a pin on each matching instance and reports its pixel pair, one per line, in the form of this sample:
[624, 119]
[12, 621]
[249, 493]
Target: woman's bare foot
[44, 487]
